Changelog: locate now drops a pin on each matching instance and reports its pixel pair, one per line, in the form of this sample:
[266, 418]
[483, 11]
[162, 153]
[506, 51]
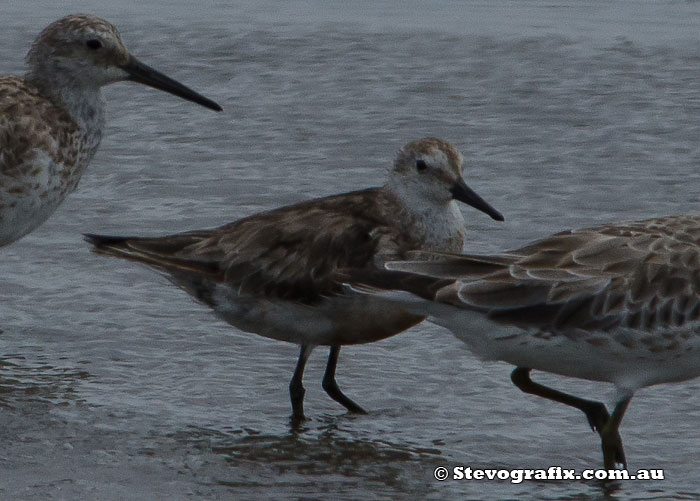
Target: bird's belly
[28, 200]
[333, 321]
[625, 357]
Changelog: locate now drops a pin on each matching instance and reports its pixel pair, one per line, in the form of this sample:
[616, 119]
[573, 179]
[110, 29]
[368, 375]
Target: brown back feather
[288, 253]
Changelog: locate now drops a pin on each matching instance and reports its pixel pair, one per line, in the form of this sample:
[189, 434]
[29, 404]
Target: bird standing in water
[273, 273]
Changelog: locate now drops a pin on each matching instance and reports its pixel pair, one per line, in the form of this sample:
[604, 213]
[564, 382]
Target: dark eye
[421, 165]
[93, 44]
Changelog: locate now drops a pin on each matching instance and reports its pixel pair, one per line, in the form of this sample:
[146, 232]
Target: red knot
[272, 273]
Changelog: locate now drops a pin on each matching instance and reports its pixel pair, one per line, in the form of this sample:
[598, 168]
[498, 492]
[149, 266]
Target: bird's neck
[84, 103]
[438, 226]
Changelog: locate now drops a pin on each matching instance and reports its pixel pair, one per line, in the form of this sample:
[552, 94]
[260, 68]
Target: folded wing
[289, 253]
[642, 275]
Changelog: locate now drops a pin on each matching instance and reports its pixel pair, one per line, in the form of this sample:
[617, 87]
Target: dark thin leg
[610, 437]
[597, 414]
[331, 386]
[296, 387]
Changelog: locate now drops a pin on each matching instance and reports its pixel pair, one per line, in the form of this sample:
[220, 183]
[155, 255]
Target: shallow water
[115, 385]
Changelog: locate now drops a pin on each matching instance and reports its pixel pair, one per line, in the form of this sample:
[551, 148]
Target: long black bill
[460, 191]
[142, 73]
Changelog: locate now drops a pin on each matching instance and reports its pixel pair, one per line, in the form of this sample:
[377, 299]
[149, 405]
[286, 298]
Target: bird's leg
[613, 454]
[296, 387]
[596, 412]
[331, 386]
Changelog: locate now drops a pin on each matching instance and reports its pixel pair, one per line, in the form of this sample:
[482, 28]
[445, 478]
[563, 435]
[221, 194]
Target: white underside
[593, 356]
[23, 218]
[23, 212]
[346, 319]
[656, 357]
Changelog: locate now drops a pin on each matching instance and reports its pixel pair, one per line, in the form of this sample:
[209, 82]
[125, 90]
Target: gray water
[116, 385]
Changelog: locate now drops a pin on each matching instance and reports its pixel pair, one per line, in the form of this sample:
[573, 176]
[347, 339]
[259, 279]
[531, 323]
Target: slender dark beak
[142, 73]
[460, 191]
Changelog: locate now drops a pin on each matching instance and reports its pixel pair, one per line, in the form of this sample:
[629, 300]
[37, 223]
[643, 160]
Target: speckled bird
[617, 303]
[52, 118]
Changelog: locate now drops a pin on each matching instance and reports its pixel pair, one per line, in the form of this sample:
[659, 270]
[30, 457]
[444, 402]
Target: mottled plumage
[51, 120]
[273, 273]
[619, 303]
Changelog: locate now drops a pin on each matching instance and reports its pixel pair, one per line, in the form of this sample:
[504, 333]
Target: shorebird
[51, 120]
[271, 273]
[619, 303]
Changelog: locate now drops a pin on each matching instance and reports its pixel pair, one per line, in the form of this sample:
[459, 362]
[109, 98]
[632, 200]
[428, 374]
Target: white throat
[439, 222]
[84, 104]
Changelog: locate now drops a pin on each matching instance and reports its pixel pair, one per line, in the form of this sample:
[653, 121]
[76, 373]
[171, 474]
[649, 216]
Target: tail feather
[442, 265]
[417, 294]
[100, 241]
[151, 252]
[369, 279]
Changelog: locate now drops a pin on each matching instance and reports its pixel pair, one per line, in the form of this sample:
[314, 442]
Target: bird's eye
[93, 44]
[421, 165]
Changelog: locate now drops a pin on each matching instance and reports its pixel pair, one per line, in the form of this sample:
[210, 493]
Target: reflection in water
[330, 453]
[22, 379]
[322, 451]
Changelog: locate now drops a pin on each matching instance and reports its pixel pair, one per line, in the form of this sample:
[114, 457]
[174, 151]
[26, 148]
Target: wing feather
[644, 274]
[289, 253]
